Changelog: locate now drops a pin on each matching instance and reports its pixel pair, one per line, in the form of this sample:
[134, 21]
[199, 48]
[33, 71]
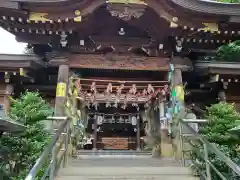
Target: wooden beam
[118, 62]
[121, 62]
[9, 61]
[120, 81]
[9, 4]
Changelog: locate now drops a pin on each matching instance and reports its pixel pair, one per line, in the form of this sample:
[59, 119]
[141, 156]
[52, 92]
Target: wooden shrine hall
[123, 57]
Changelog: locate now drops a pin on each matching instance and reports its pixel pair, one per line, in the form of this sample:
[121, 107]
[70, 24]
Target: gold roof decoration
[213, 27]
[33, 16]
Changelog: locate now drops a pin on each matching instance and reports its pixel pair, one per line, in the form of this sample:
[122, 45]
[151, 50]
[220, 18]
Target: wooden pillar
[61, 90]
[178, 86]
[177, 77]
[95, 133]
[8, 92]
[138, 135]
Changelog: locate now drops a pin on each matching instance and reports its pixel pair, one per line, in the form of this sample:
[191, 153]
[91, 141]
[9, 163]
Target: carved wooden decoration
[127, 11]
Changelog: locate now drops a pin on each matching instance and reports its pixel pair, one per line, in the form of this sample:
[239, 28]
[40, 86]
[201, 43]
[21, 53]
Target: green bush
[222, 117]
[21, 152]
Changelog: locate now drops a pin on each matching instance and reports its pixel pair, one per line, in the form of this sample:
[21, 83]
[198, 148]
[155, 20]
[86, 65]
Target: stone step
[124, 171]
[152, 177]
[124, 162]
[111, 156]
[112, 152]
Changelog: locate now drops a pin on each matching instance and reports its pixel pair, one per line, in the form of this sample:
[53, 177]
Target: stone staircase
[89, 154]
[125, 168]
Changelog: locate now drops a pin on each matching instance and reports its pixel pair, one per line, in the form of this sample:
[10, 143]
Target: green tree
[229, 1]
[229, 52]
[21, 152]
[222, 118]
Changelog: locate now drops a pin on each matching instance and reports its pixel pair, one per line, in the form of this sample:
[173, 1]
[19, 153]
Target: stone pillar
[138, 135]
[8, 92]
[61, 89]
[95, 133]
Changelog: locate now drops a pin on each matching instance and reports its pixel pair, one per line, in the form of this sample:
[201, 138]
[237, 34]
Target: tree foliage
[229, 1]
[19, 153]
[222, 117]
[229, 52]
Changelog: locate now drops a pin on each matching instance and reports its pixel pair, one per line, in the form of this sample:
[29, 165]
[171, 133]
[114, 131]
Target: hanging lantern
[124, 106]
[99, 129]
[108, 104]
[134, 121]
[121, 120]
[112, 120]
[115, 105]
[99, 120]
[146, 105]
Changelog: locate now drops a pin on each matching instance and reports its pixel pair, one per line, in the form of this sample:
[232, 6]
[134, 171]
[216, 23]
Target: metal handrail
[51, 149]
[208, 146]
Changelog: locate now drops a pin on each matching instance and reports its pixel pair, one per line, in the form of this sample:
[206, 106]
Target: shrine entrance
[115, 111]
[117, 131]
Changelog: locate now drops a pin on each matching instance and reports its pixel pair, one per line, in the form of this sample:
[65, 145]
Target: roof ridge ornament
[127, 2]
